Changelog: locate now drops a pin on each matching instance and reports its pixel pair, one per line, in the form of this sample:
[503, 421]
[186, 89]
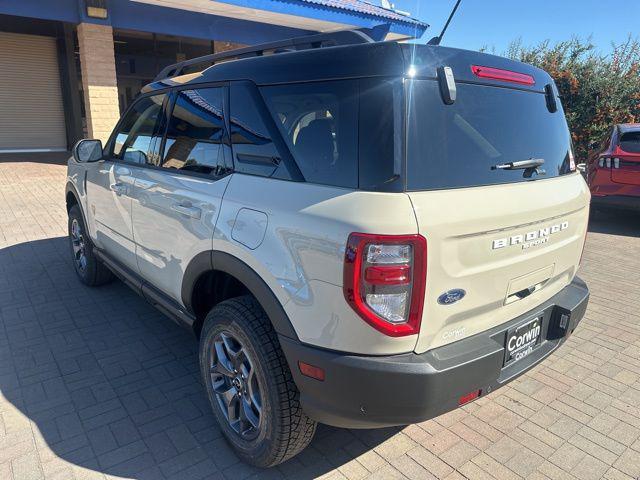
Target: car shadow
[615, 222]
[112, 385]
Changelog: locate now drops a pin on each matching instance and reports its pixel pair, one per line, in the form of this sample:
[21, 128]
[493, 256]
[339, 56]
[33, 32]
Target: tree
[597, 90]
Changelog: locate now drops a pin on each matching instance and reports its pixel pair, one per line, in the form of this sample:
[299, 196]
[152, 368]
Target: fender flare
[71, 188]
[224, 262]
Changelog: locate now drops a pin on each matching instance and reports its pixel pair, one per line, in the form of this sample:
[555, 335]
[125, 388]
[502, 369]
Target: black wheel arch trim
[71, 188]
[224, 262]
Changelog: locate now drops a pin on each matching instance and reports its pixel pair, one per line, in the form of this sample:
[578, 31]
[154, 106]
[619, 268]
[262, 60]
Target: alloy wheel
[78, 245]
[235, 384]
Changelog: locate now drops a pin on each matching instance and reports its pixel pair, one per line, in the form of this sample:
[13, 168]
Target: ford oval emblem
[451, 296]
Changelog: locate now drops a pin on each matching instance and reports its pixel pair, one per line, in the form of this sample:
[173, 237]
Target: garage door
[32, 114]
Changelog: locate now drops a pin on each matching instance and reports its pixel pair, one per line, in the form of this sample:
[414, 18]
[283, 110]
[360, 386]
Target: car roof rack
[330, 39]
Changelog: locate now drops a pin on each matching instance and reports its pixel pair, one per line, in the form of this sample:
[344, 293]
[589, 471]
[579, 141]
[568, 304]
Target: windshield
[453, 146]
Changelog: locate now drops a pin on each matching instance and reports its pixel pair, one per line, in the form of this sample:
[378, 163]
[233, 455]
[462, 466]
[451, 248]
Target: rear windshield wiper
[529, 166]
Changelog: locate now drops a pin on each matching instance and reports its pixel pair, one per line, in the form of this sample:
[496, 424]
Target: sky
[495, 23]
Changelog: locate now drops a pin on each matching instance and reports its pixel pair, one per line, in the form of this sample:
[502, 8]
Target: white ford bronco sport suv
[360, 233]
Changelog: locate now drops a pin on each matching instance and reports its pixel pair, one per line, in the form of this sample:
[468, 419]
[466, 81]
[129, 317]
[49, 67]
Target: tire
[90, 270]
[234, 331]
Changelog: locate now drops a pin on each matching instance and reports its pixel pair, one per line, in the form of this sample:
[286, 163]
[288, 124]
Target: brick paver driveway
[95, 382]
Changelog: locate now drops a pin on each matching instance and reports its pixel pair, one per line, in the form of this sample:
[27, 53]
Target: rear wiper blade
[532, 163]
[530, 167]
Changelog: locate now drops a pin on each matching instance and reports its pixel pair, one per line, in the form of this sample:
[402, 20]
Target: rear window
[630, 142]
[453, 146]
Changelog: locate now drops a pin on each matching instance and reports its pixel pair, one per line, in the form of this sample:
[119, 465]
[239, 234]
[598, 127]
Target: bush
[597, 90]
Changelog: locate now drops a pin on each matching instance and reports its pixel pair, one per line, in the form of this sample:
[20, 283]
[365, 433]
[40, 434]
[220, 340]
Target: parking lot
[95, 383]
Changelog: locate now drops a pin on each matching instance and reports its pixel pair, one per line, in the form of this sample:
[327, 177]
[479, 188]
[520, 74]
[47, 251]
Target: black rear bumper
[366, 392]
[620, 202]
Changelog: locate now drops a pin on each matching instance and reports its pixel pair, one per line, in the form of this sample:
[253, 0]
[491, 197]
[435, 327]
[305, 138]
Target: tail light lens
[572, 160]
[384, 280]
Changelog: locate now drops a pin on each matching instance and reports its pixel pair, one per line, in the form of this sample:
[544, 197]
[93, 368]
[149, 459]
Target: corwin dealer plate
[522, 340]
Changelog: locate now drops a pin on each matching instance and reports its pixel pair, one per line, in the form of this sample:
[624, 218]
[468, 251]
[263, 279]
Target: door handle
[118, 188]
[187, 210]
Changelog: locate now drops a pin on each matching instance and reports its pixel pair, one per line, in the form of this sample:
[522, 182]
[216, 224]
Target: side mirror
[87, 151]
[582, 167]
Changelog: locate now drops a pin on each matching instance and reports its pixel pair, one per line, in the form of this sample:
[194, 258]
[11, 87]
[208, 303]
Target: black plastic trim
[224, 262]
[155, 297]
[369, 392]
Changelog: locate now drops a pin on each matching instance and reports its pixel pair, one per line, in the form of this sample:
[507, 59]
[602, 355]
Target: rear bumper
[368, 392]
[622, 202]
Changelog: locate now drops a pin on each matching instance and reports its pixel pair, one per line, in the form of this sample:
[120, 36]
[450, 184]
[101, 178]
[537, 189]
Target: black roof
[375, 59]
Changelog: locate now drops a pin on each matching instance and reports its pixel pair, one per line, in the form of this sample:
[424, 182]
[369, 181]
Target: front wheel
[90, 270]
[250, 386]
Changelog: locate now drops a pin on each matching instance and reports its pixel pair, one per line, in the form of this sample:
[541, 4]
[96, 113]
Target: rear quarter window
[318, 121]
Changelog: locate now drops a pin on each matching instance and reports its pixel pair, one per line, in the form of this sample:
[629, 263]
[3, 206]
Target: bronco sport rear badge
[530, 239]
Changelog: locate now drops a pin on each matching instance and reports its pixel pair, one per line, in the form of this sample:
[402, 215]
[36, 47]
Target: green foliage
[597, 91]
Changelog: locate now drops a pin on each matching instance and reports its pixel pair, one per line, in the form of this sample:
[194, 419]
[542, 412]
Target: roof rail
[331, 39]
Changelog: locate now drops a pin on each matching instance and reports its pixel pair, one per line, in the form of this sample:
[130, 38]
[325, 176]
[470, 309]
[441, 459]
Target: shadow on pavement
[615, 222]
[113, 386]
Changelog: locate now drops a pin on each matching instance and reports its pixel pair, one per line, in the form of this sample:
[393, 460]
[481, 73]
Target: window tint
[195, 134]
[253, 148]
[630, 142]
[136, 132]
[457, 145]
[319, 122]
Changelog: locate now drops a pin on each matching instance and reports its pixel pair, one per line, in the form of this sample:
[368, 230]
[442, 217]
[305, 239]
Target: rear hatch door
[510, 239]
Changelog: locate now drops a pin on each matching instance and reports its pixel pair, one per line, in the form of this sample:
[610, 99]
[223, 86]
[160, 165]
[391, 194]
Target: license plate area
[522, 340]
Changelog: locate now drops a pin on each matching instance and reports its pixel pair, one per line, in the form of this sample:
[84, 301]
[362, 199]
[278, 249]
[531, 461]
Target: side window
[195, 132]
[136, 132]
[319, 122]
[253, 149]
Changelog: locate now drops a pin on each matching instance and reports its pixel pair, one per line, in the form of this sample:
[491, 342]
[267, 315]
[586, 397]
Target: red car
[613, 171]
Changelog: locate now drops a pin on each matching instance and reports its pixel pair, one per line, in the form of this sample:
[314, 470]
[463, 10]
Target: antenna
[438, 39]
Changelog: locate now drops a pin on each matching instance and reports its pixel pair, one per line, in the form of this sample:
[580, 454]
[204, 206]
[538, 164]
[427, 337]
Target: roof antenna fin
[436, 40]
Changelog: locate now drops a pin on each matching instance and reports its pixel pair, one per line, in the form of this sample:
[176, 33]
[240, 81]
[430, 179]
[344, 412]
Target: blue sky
[495, 23]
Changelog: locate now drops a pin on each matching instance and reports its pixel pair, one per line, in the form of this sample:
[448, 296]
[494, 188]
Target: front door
[110, 182]
[176, 199]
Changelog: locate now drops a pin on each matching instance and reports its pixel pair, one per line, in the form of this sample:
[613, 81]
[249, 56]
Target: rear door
[177, 196]
[509, 238]
[110, 181]
[626, 169]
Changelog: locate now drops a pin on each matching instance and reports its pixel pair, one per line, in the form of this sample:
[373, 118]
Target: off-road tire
[95, 273]
[285, 430]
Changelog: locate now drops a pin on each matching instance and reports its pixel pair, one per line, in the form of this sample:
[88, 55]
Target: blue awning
[241, 21]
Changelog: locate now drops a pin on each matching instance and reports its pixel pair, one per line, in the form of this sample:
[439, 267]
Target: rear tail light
[384, 280]
[572, 160]
[503, 75]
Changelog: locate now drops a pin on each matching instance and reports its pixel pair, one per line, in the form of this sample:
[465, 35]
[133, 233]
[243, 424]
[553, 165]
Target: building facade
[69, 68]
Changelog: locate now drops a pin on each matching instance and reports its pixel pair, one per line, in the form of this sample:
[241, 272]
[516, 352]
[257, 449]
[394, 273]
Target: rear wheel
[90, 270]
[250, 386]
